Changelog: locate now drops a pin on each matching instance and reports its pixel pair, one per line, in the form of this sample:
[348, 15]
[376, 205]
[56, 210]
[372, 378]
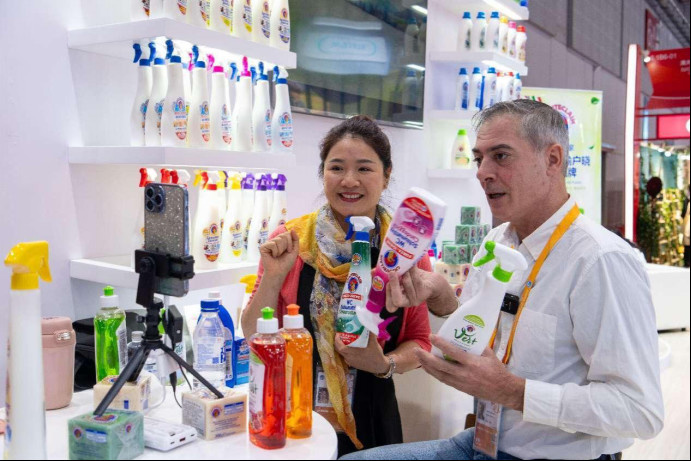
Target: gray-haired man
[581, 378]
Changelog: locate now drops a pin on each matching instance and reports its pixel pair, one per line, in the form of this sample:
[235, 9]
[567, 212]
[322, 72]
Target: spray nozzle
[170, 48]
[197, 177]
[280, 75]
[152, 51]
[248, 182]
[262, 72]
[222, 179]
[205, 179]
[234, 181]
[233, 71]
[253, 71]
[508, 260]
[166, 177]
[245, 68]
[147, 176]
[281, 181]
[28, 261]
[174, 178]
[211, 59]
[249, 280]
[195, 54]
[360, 226]
[137, 52]
[183, 177]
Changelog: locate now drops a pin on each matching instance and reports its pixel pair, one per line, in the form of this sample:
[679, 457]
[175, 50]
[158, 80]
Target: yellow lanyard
[530, 283]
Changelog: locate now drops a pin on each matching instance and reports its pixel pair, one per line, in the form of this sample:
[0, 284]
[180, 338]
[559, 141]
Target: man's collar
[536, 241]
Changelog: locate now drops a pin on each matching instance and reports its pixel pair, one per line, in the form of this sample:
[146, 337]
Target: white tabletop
[322, 445]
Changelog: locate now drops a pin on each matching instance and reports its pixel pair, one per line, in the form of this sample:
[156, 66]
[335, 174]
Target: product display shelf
[462, 118]
[500, 61]
[117, 271]
[458, 173]
[179, 156]
[510, 8]
[116, 40]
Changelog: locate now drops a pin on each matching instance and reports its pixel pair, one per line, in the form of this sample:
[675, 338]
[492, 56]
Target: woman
[307, 261]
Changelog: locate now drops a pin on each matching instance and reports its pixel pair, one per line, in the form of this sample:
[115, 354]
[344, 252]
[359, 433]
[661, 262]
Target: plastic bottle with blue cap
[210, 345]
[141, 99]
[493, 32]
[229, 331]
[471, 326]
[475, 92]
[261, 112]
[198, 125]
[517, 87]
[462, 90]
[242, 111]
[174, 116]
[282, 123]
[489, 93]
[159, 87]
[479, 34]
[221, 131]
[465, 34]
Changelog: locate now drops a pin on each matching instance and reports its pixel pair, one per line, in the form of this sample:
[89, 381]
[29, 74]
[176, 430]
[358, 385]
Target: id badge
[487, 425]
[322, 401]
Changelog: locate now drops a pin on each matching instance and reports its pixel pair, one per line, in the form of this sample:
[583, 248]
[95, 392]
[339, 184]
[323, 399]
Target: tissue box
[455, 254]
[470, 215]
[132, 396]
[463, 234]
[115, 435]
[212, 417]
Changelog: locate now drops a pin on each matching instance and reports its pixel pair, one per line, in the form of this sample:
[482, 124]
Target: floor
[673, 441]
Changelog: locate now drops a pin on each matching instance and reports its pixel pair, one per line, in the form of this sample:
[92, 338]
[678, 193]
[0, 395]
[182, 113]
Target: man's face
[512, 174]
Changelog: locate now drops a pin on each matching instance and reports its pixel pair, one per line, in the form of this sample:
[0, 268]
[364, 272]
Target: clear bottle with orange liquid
[298, 374]
[267, 387]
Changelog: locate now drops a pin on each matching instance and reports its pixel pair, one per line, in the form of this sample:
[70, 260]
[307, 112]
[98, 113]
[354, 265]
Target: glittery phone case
[166, 223]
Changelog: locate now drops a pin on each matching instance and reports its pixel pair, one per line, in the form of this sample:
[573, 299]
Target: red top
[415, 326]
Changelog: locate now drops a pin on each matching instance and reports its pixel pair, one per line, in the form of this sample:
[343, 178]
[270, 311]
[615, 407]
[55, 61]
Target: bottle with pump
[25, 433]
[141, 100]
[517, 87]
[493, 32]
[465, 35]
[279, 208]
[479, 34]
[261, 16]
[521, 39]
[198, 122]
[261, 112]
[110, 336]
[357, 286]
[475, 93]
[229, 332]
[176, 9]
[198, 12]
[220, 15]
[282, 124]
[242, 111]
[462, 90]
[259, 226]
[461, 154]
[471, 326]
[210, 345]
[207, 227]
[232, 240]
[247, 209]
[280, 25]
[511, 39]
[242, 19]
[220, 129]
[174, 116]
[267, 396]
[503, 35]
[154, 111]
[298, 374]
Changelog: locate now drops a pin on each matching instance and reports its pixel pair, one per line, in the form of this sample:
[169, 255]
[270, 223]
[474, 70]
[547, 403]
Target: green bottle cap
[267, 313]
[462, 132]
[108, 291]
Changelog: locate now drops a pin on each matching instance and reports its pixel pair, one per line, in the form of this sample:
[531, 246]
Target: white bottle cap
[109, 299]
[267, 324]
[293, 320]
[215, 295]
[137, 336]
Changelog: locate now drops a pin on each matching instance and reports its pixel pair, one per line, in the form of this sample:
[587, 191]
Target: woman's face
[354, 179]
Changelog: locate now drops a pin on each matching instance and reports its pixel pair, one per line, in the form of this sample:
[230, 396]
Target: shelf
[463, 118]
[510, 8]
[487, 58]
[116, 40]
[464, 173]
[116, 270]
[179, 156]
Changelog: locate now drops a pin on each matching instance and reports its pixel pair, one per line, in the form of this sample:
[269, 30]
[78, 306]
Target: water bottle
[133, 346]
[209, 345]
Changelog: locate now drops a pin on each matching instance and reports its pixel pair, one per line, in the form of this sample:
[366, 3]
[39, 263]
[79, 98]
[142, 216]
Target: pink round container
[59, 342]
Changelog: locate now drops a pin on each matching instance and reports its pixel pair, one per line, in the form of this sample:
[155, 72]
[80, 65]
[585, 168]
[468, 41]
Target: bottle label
[256, 390]
[263, 232]
[483, 37]
[285, 129]
[121, 333]
[142, 112]
[284, 26]
[146, 6]
[289, 382]
[236, 241]
[180, 118]
[505, 43]
[159, 112]
[227, 12]
[266, 20]
[492, 93]
[464, 95]
[495, 41]
[210, 354]
[225, 125]
[247, 16]
[204, 7]
[229, 354]
[467, 40]
[512, 47]
[212, 242]
[465, 336]
[245, 233]
[348, 326]
[461, 155]
[204, 123]
[182, 6]
[267, 127]
[521, 51]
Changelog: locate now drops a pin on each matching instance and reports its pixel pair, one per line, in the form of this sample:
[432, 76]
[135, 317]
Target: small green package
[470, 215]
[455, 254]
[115, 435]
[475, 235]
[462, 234]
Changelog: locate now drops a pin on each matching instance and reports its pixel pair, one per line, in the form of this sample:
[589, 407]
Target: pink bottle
[59, 341]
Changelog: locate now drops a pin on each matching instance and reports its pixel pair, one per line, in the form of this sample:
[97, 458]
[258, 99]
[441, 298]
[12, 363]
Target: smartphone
[166, 230]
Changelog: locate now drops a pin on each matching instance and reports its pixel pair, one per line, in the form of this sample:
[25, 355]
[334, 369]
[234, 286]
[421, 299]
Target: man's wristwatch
[392, 369]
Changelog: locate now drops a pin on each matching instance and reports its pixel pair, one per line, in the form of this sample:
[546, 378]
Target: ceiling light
[419, 9]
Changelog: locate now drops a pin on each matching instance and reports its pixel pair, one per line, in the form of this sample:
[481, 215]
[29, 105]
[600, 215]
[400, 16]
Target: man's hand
[370, 358]
[484, 377]
[418, 286]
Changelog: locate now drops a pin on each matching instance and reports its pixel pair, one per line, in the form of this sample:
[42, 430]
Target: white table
[322, 445]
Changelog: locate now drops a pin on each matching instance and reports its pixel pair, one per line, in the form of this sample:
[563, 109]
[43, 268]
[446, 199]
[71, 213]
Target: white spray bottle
[282, 123]
[141, 100]
[279, 209]
[198, 122]
[242, 111]
[232, 238]
[222, 179]
[357, 286]
[207, 229]
[259, 226]
[174, 116]
[154, 110]
[247, 209]
[25, 434]
[472, 325]
[280, 25]
[221, 131]
[261, 113]
[261, 16]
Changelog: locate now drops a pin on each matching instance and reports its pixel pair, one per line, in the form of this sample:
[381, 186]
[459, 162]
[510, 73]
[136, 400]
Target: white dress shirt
[586, 343]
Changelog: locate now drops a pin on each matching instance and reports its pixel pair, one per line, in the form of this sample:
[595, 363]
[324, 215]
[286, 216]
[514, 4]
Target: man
[582, 378]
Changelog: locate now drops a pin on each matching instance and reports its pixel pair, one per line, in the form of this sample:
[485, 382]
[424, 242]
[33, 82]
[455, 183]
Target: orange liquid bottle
[298, 374]
[267, 389]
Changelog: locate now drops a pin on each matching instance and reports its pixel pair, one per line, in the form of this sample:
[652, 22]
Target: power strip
[164, 436]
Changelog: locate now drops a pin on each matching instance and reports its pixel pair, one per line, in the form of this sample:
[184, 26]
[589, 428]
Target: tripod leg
[132, 368]
[189, 368]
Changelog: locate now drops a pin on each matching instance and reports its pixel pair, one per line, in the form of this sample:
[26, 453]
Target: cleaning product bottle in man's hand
[472, 325]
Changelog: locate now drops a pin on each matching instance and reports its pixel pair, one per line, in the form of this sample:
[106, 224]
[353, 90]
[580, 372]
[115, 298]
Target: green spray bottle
[110, 336]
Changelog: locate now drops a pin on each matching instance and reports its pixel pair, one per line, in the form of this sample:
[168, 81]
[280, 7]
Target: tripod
[152, 267]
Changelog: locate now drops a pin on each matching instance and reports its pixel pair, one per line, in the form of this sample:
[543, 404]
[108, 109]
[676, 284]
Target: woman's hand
[370, 358]
[279, 254]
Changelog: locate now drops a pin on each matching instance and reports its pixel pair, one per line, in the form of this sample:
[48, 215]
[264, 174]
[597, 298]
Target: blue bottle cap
[491, 70]
[175, 59]
[210, 305]
[466, 15]
[476, 70]
[159, 61]
[495, 14]
[481, 15]
[144, 62]
[200, 65]
[462, 71]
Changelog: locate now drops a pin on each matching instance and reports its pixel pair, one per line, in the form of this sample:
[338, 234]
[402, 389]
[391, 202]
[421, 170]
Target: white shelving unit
[178, 156]
[459, 174]
[116, 270]
[500, 61]
[116, 40]
[509, 8]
